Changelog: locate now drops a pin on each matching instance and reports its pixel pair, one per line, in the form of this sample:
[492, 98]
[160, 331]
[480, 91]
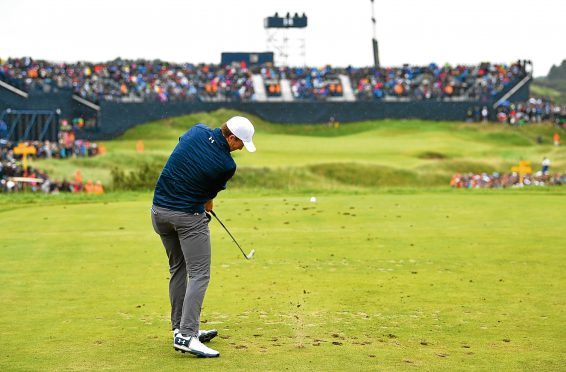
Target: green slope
[298, 156]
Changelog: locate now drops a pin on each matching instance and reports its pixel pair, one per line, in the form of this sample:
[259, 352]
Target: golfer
[196, 171]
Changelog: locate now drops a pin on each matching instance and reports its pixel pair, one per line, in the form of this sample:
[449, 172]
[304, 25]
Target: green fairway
[368, 281]
[390, 269]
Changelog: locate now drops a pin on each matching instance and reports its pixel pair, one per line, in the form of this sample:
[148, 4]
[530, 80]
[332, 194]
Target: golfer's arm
[208, 205]
[225, 177]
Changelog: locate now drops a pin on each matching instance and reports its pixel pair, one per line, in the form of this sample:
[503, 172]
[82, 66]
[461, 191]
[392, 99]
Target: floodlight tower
[285, 35]
[374, 40]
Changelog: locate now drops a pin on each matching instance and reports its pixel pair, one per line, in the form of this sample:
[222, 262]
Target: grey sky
[339, 31]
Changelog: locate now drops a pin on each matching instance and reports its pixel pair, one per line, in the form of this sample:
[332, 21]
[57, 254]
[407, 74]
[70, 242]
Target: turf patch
[365, 174]
[465, 166]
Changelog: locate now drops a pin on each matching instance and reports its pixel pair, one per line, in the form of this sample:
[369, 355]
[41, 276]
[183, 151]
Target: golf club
[247, 256]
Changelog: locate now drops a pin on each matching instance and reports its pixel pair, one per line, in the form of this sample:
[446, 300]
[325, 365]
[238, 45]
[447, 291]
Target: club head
[251, 254]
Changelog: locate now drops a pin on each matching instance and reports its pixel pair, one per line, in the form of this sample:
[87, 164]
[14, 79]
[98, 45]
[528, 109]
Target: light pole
[374, 40]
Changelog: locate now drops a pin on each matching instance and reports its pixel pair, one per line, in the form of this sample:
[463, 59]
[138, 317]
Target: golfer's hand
[208, 205]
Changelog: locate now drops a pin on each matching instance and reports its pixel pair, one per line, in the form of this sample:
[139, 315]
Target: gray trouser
[186, 238]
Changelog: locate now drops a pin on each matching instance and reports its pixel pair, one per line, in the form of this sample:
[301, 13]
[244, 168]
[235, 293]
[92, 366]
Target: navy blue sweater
[196, 171]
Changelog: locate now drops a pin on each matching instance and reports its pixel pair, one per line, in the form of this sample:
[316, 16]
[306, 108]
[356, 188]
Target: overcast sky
[339, 31]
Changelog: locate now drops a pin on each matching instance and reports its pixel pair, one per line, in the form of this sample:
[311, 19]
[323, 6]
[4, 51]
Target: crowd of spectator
[13, 178]
[310, 83]
[480, 82]
[535, 110]
[127, 80]
[10, 169]
[504, 180]
[67, 147]
[143, 80]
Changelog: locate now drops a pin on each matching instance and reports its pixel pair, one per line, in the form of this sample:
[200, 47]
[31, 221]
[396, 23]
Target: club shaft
[228, 231]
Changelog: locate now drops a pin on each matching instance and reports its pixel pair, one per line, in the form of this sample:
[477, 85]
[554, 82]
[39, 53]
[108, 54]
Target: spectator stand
[23, 125]
[271, 85]
[227, 83]
[319, 84]
[142, 81]
[124, 93]
[511, 82]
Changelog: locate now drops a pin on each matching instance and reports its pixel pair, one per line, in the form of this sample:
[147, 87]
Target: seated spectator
[144, 80]
[434, 82]
[131, 81]
[504, 180]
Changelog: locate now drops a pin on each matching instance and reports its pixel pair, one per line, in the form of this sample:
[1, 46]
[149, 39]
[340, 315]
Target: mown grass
[435, 280]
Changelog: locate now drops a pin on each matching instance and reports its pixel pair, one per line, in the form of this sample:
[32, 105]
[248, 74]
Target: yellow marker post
[522, 169]
[24, 150]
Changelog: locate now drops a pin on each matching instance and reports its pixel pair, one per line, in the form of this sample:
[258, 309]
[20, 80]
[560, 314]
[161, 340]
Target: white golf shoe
[192, 345]
[203, 335]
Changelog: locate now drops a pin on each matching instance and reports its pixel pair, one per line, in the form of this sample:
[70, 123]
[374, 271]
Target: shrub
[142, 178]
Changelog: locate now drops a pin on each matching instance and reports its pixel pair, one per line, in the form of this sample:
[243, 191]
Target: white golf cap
[243, 129]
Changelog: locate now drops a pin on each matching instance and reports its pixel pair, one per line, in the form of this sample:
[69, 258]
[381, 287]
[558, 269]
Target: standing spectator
[46, 149]
[484, 114]
[545, 166]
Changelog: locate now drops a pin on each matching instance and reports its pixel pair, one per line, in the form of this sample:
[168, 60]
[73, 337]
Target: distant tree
[557, 72]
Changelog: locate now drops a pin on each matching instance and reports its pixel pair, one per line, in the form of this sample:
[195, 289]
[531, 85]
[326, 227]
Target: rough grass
[466, 166]
[388, 153]
[365, 175]
[542, 88]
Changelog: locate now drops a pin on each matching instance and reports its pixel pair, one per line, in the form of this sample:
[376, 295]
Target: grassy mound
[365, 174]
[371, 154]
[465, 166]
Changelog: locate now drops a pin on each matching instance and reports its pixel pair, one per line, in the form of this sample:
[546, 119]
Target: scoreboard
[288, 21]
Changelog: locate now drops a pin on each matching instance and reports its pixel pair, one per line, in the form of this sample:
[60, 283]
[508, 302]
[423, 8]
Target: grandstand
[113, 96]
